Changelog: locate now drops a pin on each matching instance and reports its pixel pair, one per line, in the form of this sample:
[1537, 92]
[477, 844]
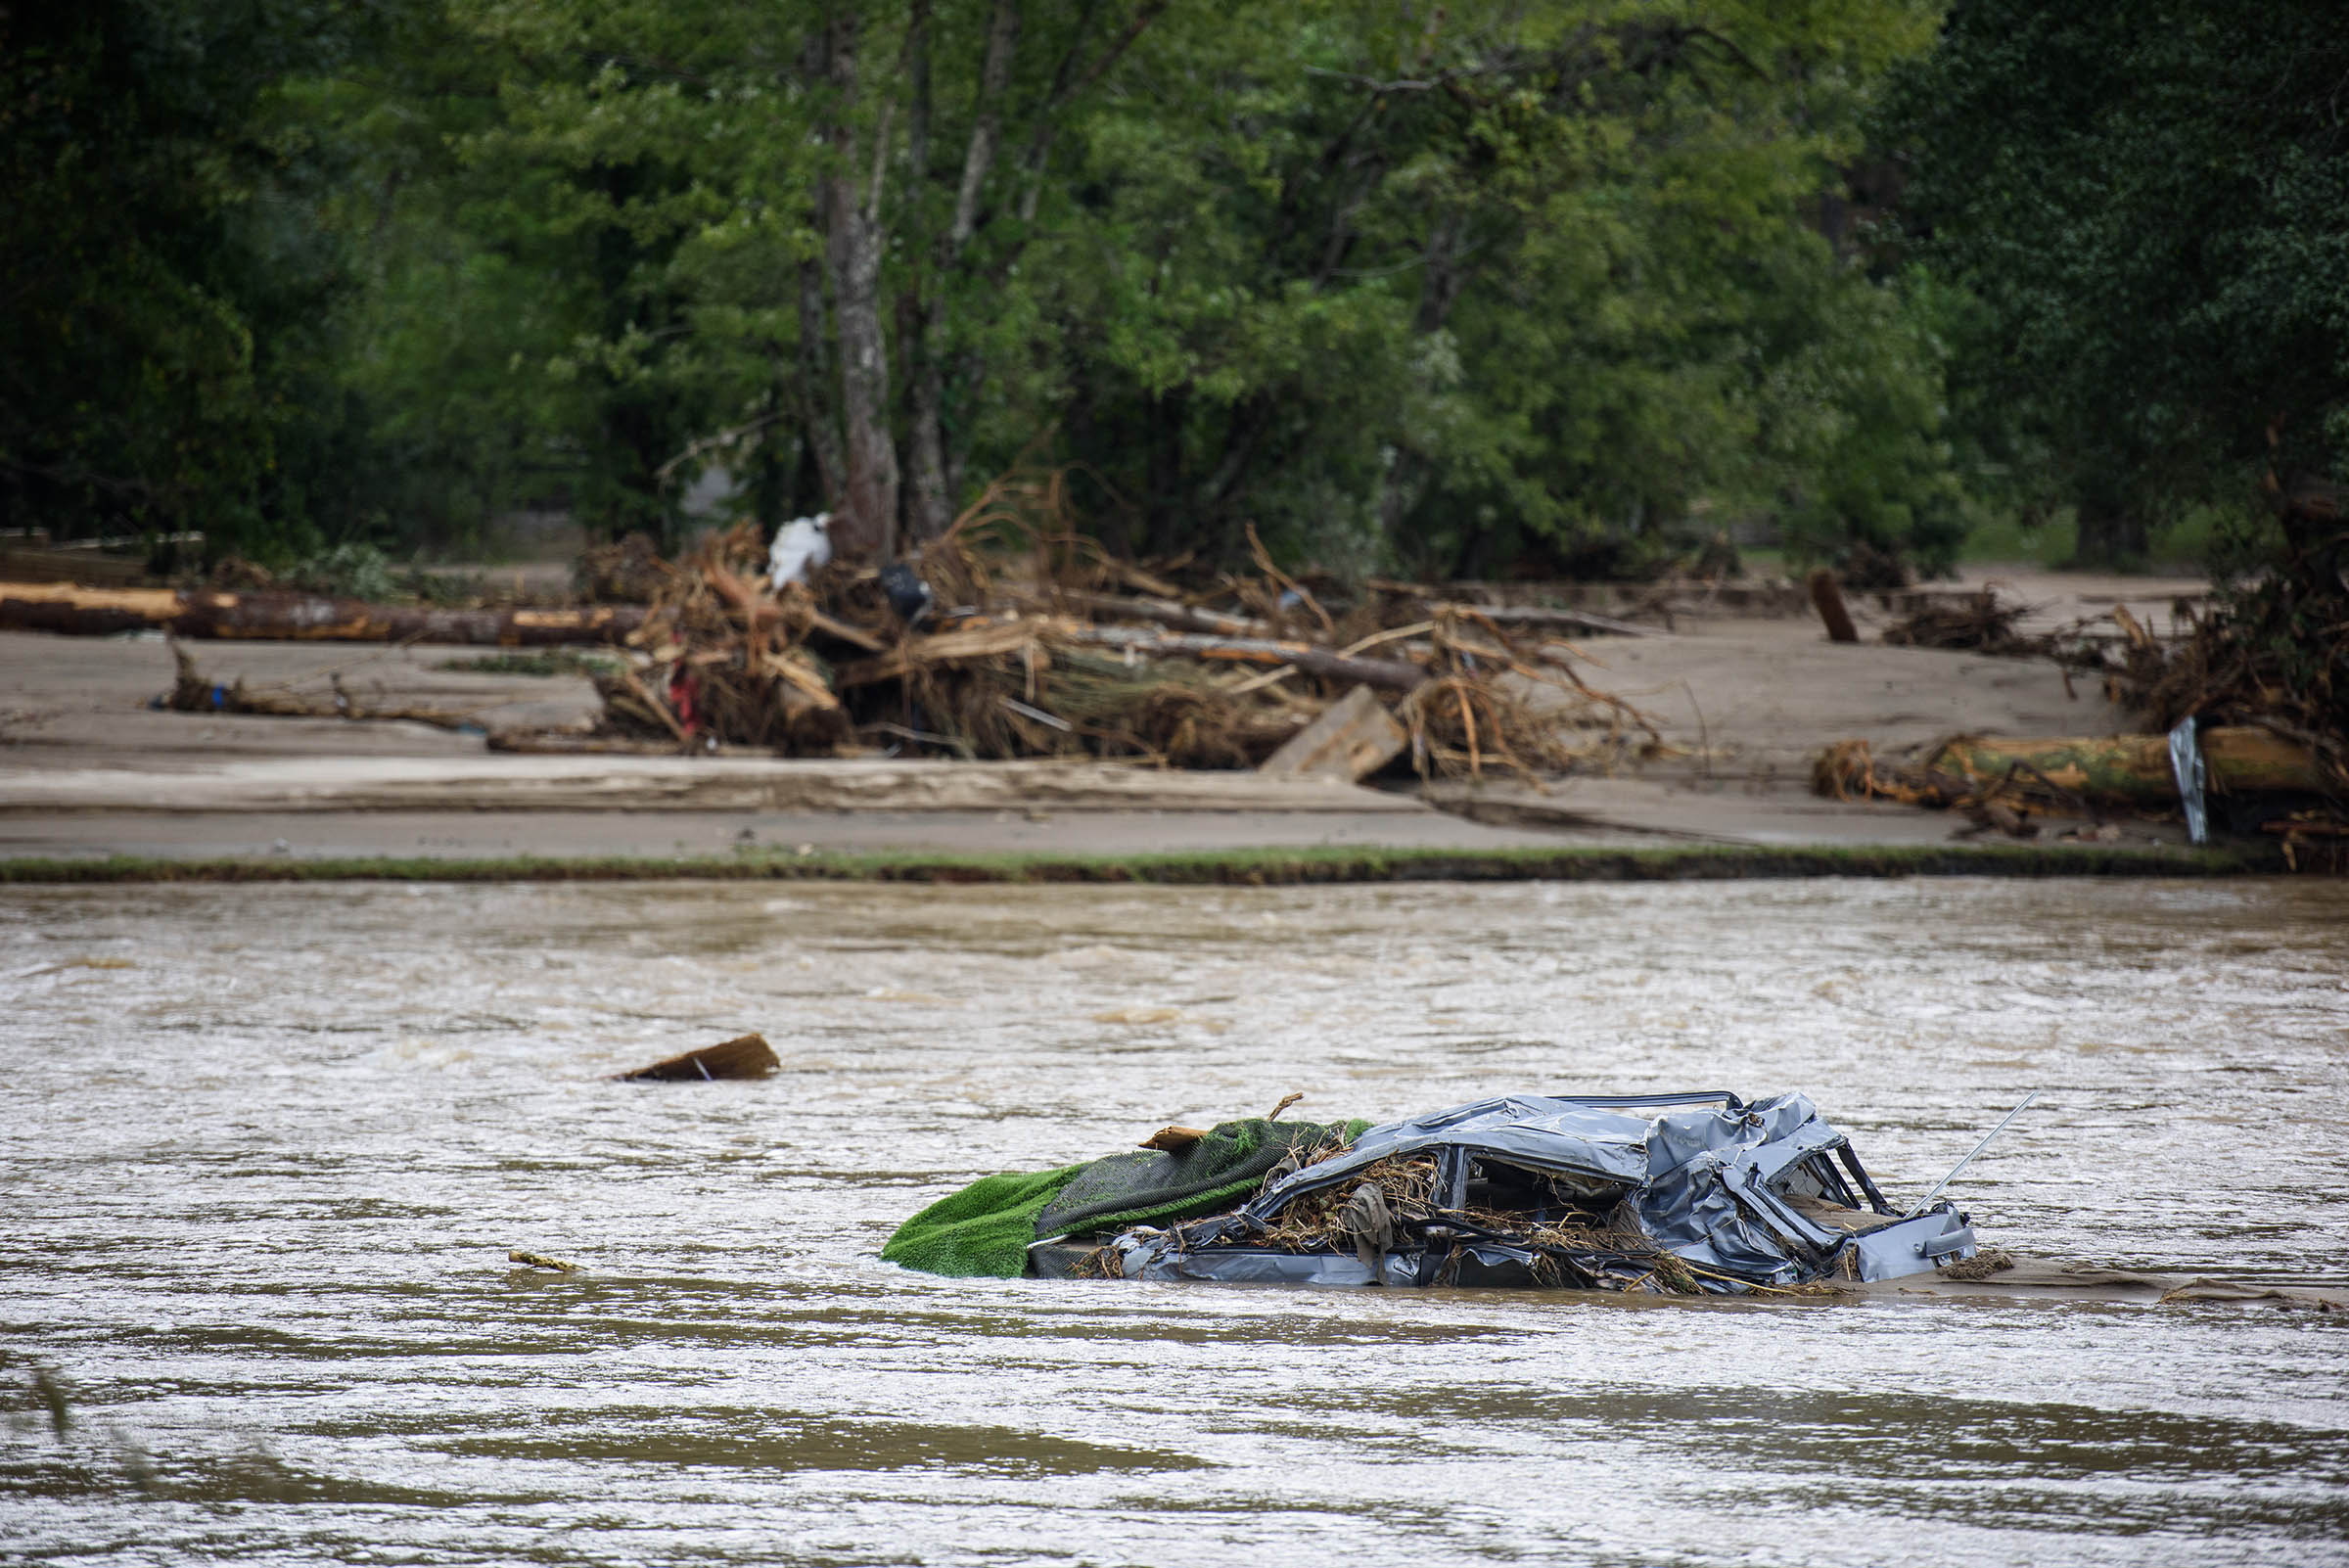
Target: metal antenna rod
[1970, 1158]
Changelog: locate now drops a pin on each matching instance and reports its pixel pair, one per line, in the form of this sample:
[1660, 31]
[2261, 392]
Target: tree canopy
[1433, 288]
[2150, 204]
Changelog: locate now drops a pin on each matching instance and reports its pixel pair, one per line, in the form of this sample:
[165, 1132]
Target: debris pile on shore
[1979, 622]
[2262, 673]
[1013, 637]
[2271, 656]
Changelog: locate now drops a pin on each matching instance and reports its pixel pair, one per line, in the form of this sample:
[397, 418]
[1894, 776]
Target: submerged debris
[1694, 1193]
[743, 1056]
[532, 1260]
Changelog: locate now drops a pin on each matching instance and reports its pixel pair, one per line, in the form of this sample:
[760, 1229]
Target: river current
[265, 1151]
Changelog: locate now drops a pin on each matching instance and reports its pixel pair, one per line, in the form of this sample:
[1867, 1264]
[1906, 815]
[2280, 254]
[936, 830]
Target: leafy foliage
[1441, 288]
[2151, 202]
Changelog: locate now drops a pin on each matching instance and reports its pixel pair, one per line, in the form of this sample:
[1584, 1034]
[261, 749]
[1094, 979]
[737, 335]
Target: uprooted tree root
[1980, 623]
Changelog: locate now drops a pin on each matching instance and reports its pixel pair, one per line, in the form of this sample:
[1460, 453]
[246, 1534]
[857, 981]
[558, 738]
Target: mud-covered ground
[1743, 703]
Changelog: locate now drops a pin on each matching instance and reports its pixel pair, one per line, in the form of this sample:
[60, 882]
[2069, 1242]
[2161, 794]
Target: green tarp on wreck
[985, 1228]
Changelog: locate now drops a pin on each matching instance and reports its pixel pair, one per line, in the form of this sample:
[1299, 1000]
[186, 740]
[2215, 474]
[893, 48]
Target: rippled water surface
[264, 1150]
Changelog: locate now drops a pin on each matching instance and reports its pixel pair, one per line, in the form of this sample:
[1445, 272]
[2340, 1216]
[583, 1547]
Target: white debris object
[800, 546]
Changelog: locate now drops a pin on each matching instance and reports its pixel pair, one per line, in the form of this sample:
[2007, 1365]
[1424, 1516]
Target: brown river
[264, 1150]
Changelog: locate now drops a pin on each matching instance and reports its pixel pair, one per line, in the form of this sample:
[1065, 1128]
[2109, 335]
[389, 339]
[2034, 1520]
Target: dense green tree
[168, 295]
[1392, 284]
[1430, 286]
[2151, 202]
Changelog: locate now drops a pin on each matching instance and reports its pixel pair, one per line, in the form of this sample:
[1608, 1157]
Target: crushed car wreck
[1686, 1195]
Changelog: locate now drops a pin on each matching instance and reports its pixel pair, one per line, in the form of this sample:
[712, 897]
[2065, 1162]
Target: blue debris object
[1662, 1192]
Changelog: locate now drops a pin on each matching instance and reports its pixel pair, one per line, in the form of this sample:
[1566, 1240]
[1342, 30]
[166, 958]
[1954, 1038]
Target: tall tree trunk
[987, 125]
[820, 420]
[1168, 517]
[2111, 522]
[868, 524]
[930, 504]
[1439, 279]
[2110, 536]
[930, 497]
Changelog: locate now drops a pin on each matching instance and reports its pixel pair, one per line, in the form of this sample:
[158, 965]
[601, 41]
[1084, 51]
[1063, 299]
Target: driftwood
[1548, 616]
[533, 1260]
[2136, 769]
[1083, 655]
[1387, 675]
[194, 692]
[2070, 773]
[1166, 613]
[298, 616]
[1540, 618]
[743, 1056]
[1978, 622]
[1354, 737]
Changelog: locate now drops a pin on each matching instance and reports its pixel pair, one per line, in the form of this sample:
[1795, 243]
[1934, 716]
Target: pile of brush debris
[1011, 636]
[1975, 622]
[2262, 672]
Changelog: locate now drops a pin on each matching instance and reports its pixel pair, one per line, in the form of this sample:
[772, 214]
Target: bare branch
[1067, 87]
[987, 125]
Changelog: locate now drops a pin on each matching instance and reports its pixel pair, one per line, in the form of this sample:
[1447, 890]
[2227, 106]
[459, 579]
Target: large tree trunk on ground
[2136, 769]
[298, 616]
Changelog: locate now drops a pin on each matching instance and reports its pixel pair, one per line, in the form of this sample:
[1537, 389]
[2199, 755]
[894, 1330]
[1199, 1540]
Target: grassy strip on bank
[1249, 868]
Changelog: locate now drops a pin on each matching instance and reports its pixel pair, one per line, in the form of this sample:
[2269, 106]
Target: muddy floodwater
[264, 1150]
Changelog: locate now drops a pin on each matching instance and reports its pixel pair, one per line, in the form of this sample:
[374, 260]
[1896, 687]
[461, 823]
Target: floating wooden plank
[299, 617]
[743, 1056]
[533, 1260]
[1354, 737]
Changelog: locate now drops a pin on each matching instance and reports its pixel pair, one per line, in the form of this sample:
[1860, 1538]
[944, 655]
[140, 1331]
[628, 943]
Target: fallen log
[2136, 769]
[535, 1260]
[1550, 615]
[1540, 616]
[194, 692]
[1386, 674]
[298, 616]
[1166, 613]
[743, 1056]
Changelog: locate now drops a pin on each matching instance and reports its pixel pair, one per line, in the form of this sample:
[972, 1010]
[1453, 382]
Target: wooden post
[1826, 596]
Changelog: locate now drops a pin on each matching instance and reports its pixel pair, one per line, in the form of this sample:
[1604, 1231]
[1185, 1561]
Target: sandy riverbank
[88, 768]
